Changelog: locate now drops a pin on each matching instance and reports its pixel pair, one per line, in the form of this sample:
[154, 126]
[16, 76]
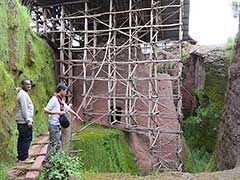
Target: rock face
[205, 77]
[22, 54]
[205, 69]
[228, 149]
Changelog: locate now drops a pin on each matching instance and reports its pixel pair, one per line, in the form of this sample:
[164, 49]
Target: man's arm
[23, 106]
[50, 106]
[48, 111]
[74, 113]
[23, 100]
[68, 108]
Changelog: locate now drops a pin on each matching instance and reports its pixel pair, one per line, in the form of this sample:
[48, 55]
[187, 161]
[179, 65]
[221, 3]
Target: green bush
[212, 164]
[62, 167]
[185, 54]
[197, 160]
[230, 43]
[200, 130]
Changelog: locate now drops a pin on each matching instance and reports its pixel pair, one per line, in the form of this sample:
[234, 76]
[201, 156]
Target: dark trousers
[24, 141]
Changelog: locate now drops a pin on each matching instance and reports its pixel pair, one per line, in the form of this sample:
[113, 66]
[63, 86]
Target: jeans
[54, 143]
[24, 141]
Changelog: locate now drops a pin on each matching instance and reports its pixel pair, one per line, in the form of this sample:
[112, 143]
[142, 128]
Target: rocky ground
[233, 174]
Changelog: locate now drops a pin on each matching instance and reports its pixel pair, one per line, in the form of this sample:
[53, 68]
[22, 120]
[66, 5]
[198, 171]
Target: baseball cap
[61, 86]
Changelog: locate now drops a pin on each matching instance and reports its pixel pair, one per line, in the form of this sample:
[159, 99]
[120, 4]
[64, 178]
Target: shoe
[26, 161]
[19, 163]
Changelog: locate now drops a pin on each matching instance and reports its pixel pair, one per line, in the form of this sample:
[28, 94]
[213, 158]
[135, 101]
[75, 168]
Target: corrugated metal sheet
[169, 14]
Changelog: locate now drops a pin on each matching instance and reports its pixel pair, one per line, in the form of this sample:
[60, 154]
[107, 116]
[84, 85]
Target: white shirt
[54, 105]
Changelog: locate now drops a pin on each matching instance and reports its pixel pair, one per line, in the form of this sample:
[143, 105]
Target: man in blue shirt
[56, 107]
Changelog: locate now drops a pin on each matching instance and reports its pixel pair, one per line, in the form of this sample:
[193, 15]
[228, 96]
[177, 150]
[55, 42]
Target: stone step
[31, 175]
[38, 163]
[38, 154]
[20, 177]
[15, 173]
[41, 140]
[34, 149]
[30, 170]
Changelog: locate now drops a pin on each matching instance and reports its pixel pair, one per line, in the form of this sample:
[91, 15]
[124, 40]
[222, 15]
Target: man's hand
[29, 125]
[75, 114]
[79, 117]
[18, 89]
[60, 113]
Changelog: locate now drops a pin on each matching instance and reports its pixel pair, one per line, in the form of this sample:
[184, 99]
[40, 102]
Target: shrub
[197, 161]
[62, 167]
[200, 130]
[230, 43]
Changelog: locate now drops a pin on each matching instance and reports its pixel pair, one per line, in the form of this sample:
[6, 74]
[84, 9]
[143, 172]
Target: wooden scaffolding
[91, 36]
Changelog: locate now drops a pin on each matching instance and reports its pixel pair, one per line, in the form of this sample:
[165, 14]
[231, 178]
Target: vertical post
[179, 104]
[129, 64]
[114, 64]
[154, 36]
[136, 35]
[85, 58]
[53, 34]
[150, 126]
[110, 110]
[70, 66]
[94, 39]
[38, 18]
[66, 135]
[94, 54]
[44, 21]
[155, 39]
[62, 40]
[134, 59]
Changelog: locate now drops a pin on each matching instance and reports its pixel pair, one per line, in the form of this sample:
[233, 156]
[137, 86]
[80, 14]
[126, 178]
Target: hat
[64, 122]
[61, 86]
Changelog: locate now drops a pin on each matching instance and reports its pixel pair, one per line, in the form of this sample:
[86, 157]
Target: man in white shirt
[56, 107]
[24, 119]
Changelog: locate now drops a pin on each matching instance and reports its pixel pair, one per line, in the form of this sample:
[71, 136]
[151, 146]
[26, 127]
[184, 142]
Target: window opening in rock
[115, 114]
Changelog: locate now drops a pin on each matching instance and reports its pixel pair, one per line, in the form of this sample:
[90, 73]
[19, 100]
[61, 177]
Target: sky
[211, 21]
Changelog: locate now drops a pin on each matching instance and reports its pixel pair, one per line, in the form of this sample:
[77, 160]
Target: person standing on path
[24, 119]
[55, 108]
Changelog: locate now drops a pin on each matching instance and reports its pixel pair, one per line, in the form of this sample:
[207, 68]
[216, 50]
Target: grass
[105, 150]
